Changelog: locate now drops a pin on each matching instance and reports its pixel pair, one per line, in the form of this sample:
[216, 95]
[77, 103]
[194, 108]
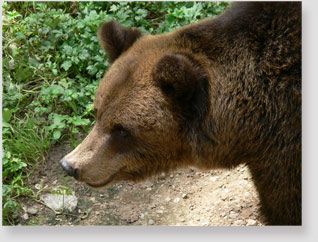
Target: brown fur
[213, 94]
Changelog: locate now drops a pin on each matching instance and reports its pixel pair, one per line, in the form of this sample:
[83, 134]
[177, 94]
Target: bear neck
[252, 65]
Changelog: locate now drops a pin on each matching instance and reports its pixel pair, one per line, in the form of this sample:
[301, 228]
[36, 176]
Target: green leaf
[78, 121]
[33, 62]
[56, 134]
[6, 114]
[68, 49]
[66, 65]
[113, 8]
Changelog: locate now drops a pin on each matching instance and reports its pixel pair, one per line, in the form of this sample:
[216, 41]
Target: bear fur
[214, 94]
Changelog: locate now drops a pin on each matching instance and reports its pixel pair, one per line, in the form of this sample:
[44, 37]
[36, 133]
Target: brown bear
[214, 94]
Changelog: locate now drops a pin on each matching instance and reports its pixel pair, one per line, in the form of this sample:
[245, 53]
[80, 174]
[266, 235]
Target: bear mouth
[106, 182]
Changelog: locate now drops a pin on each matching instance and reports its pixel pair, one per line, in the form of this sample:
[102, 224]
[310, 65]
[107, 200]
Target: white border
[307, 232]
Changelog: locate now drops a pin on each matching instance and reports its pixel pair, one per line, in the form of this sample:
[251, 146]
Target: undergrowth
[52, 63]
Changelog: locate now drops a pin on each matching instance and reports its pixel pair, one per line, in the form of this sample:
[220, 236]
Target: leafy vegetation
[52, 64]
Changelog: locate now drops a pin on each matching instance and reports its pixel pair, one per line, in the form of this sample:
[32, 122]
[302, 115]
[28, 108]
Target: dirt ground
[187, 197]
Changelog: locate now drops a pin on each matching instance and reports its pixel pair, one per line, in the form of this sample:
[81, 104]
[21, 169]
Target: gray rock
[159, 211]
[239, 222]
[151, 222]
[32, 210]
[214, 178]
[224, 196]
[55, 201]
[25, 216]
[129, 217]
[251, 222]
[247, 212]
[233, 215]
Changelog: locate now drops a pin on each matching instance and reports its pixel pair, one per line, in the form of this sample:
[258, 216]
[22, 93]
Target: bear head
[148, 105]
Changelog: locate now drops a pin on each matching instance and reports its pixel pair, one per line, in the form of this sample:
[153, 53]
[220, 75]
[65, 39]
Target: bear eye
[120, 130]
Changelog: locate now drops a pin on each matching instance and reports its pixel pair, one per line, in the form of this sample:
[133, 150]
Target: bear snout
[69, 169]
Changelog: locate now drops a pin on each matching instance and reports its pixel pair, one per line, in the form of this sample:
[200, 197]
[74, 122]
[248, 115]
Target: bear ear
[183, 81]
[115, 39]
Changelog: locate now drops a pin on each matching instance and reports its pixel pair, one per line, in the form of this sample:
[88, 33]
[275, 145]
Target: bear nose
[69, 169]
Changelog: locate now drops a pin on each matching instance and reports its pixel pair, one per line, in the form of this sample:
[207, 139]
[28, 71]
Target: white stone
[151, 222]
[251, 222]
[55, 201]
[214, 178]
[32, 210]
[25, 216]
[239, 222]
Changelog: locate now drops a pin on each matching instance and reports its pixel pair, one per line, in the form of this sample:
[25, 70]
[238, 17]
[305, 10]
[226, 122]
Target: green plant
[62, 191]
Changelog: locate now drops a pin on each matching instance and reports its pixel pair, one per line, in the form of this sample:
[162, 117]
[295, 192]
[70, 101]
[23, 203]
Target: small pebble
[214, 178]
[32, 210]
[239, 222]
[25, 216]
[251, 222]
[38, 186]
[151, 222]
[162, 175]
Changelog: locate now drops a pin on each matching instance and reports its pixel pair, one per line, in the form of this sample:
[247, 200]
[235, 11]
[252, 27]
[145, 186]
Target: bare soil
[187, 197]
